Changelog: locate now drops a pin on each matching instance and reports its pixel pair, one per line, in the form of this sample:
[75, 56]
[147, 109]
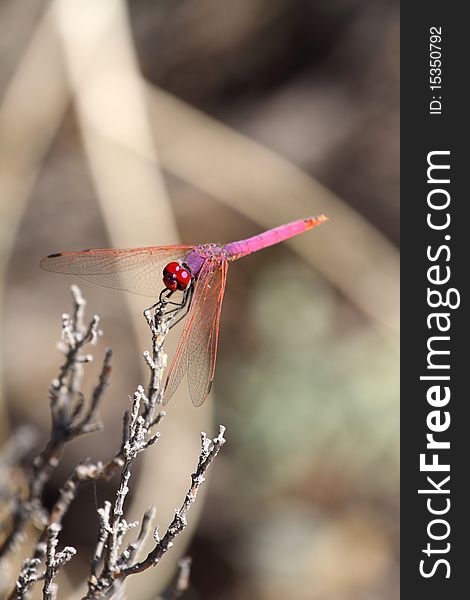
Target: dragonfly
[198, 272]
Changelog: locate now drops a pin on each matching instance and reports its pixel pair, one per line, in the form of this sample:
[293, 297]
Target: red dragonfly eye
[176, 277]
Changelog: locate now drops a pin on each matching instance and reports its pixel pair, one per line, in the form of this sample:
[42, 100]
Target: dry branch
[113, 560]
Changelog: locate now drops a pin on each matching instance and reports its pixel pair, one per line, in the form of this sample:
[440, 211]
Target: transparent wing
[197, 349]
[137, 270]
[205, 336]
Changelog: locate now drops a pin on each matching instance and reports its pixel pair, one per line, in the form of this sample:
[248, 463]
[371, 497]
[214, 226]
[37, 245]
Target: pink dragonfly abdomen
[273, 236]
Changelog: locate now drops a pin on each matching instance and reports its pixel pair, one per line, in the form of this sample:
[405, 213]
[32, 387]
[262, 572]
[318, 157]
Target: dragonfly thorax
[212, 251]
[176, 276]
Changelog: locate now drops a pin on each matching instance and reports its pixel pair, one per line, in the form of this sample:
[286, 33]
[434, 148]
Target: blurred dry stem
[182, 582]
[104, 78]
[11, 455]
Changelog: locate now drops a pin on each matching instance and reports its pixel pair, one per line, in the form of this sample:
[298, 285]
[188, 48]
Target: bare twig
[113, 525]
[129, 554]
[159, 327]
[27, 578]
[209, 450]
[138, 441]
[67, 408]
[82, 473]
[117, 564]
[118, 569]
[54, 561]
[96, 471]
[112, 562]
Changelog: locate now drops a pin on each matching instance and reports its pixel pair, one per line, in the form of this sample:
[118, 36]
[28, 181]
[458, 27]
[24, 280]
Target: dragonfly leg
[183, 309]
[171, 314]
[162, 300]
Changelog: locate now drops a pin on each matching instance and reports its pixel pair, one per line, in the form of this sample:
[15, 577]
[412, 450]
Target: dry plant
[73, 415]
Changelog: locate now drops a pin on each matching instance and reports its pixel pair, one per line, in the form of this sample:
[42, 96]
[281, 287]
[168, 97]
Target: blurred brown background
[158, 121]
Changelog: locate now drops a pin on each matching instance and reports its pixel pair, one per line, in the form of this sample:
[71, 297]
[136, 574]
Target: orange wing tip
[314, 221]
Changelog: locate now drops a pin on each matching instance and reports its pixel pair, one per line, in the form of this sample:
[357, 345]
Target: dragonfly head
[176, 276]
